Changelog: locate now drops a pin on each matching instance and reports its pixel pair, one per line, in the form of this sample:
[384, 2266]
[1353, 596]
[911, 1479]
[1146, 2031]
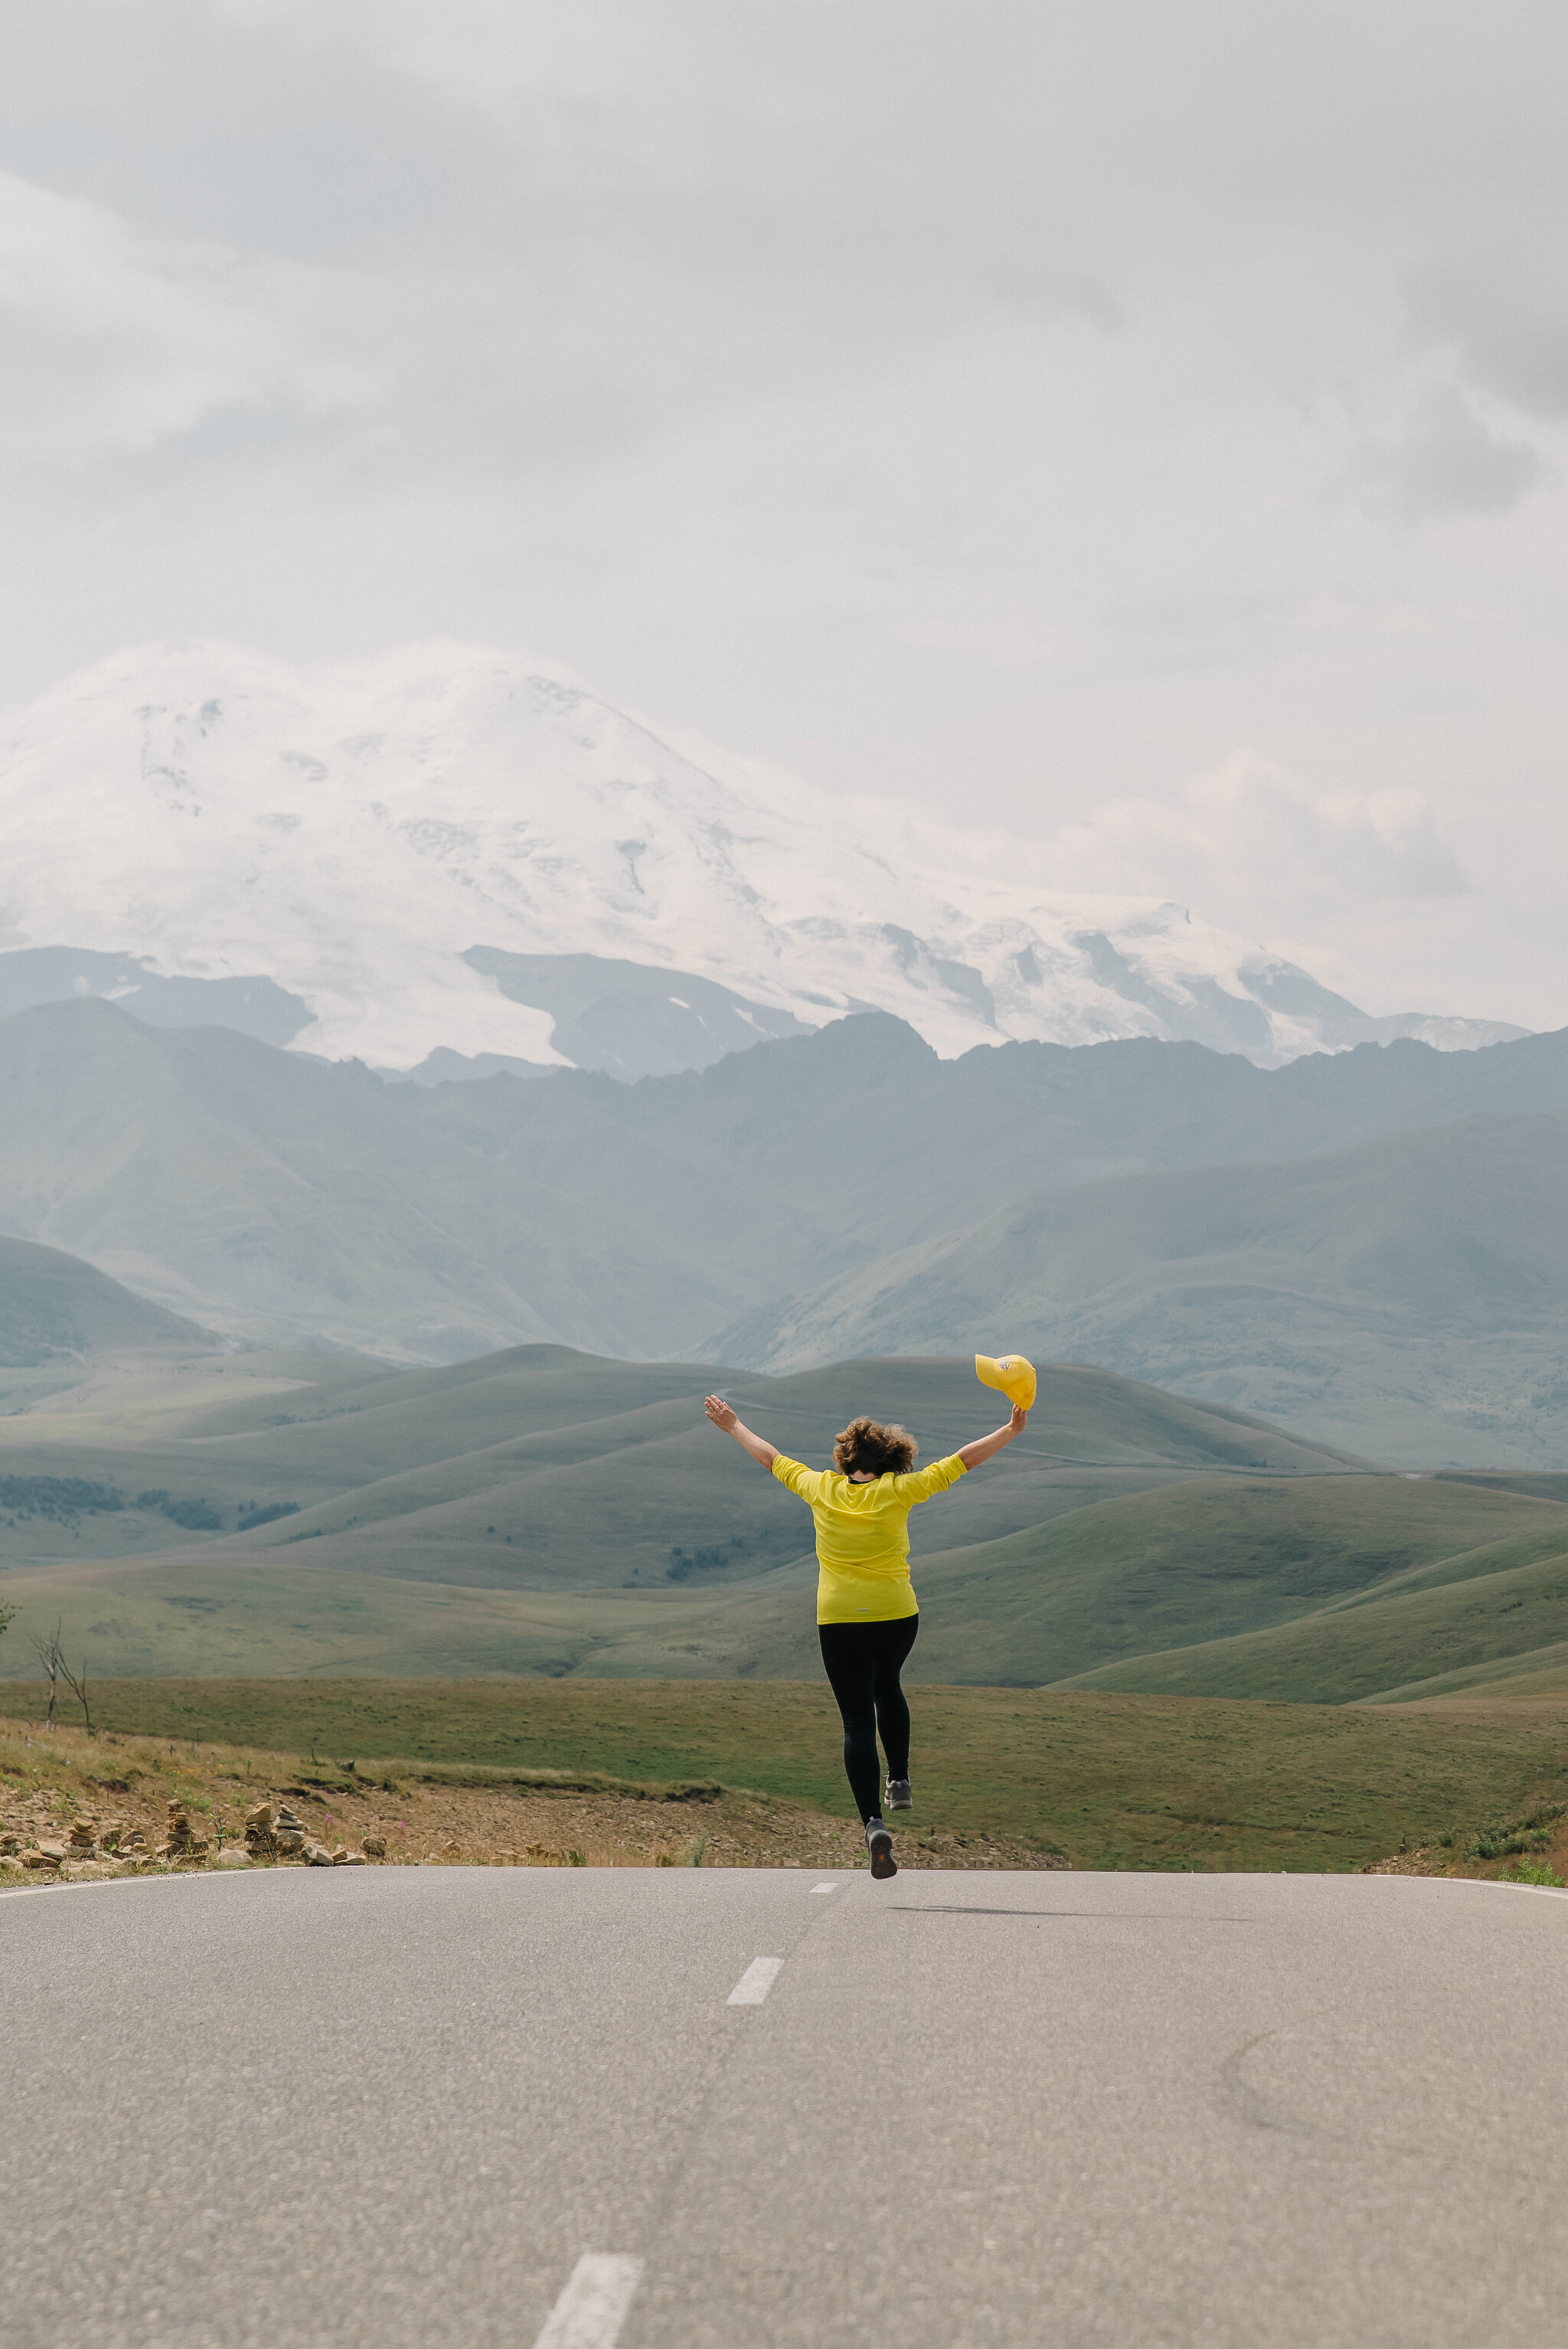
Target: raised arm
[764, 1455]
[974, 1454]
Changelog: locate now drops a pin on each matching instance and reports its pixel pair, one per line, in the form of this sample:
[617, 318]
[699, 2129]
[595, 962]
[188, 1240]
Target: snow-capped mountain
[353, 835]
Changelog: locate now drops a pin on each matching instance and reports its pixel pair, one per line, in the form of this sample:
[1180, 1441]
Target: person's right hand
[719, 1412]
[1020, 1419]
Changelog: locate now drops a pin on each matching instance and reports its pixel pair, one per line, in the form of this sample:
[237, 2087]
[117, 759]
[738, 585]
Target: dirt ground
[428, 1818]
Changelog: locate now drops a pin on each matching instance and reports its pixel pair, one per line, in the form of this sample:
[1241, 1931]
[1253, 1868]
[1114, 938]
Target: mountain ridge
[767, 1209]
[354, 837]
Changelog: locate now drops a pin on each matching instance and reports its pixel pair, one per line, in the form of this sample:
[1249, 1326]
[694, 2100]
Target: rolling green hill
[1482, 1617]
[577, 1513]
[1116, 1595]
[627, 1485]
[540, 1468]
[1325, 1589]
[551, 1512]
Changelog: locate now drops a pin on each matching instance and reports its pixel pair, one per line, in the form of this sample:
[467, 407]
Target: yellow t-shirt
[862, 1537]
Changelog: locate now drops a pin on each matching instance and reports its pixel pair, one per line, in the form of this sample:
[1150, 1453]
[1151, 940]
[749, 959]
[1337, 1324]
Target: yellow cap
[1010, 1374]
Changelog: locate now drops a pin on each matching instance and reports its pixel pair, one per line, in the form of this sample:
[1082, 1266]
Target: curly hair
[874, 1450]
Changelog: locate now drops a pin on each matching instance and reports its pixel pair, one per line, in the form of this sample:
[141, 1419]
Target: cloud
[603, 96]
[110, 341]
[934, 402]
[1252, 833]
[1447, 462]
[1509, 332]
[1052, 293]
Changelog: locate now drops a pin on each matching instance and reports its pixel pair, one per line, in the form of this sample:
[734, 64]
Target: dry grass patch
[424, 1815]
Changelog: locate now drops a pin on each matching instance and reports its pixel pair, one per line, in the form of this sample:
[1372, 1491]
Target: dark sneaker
[900, 1795]
[879, 1843]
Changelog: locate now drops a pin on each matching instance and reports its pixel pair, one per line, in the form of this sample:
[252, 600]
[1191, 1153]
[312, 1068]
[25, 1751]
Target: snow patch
[353, 831]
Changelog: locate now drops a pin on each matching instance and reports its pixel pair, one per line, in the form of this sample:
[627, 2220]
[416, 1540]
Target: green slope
[1546, 1486]
[1165, 1569]
[1539, 1676]
[1463, 1619]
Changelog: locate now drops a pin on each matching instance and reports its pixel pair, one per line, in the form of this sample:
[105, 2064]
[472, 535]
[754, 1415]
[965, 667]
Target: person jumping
[866, 1614]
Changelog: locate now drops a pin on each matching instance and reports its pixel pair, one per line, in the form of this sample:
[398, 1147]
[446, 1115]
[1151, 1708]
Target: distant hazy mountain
[629, 1019]
[55, 1309]
[424, 853]
[1351, 1257]
[1410, 1295]
[61, 1319]
[254, 1006]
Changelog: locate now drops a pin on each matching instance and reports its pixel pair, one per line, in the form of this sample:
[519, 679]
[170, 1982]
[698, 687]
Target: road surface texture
[495, 2108]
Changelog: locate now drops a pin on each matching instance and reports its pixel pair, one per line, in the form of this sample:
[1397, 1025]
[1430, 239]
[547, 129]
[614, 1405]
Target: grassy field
[195, 1619]
[1320, 1588]
[1107, 1780]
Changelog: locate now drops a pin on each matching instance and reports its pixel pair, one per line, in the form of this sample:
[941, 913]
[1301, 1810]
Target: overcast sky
[1139, 423]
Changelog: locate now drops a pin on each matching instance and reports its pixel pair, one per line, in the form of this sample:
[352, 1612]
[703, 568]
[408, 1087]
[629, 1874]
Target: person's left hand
[720, 1413]
[1020, 1419]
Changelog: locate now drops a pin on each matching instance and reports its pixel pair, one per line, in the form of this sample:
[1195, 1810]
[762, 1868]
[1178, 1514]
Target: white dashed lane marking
[824, 1887]
[592, 2307]
[756, 1982]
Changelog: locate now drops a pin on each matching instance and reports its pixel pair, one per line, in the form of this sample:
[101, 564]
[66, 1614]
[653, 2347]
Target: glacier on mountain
[377, 838]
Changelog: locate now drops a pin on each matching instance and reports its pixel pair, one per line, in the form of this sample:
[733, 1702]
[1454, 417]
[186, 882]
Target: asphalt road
[395, 2109]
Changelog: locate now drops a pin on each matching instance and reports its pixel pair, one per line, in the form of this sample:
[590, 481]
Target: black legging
[863, 1661]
